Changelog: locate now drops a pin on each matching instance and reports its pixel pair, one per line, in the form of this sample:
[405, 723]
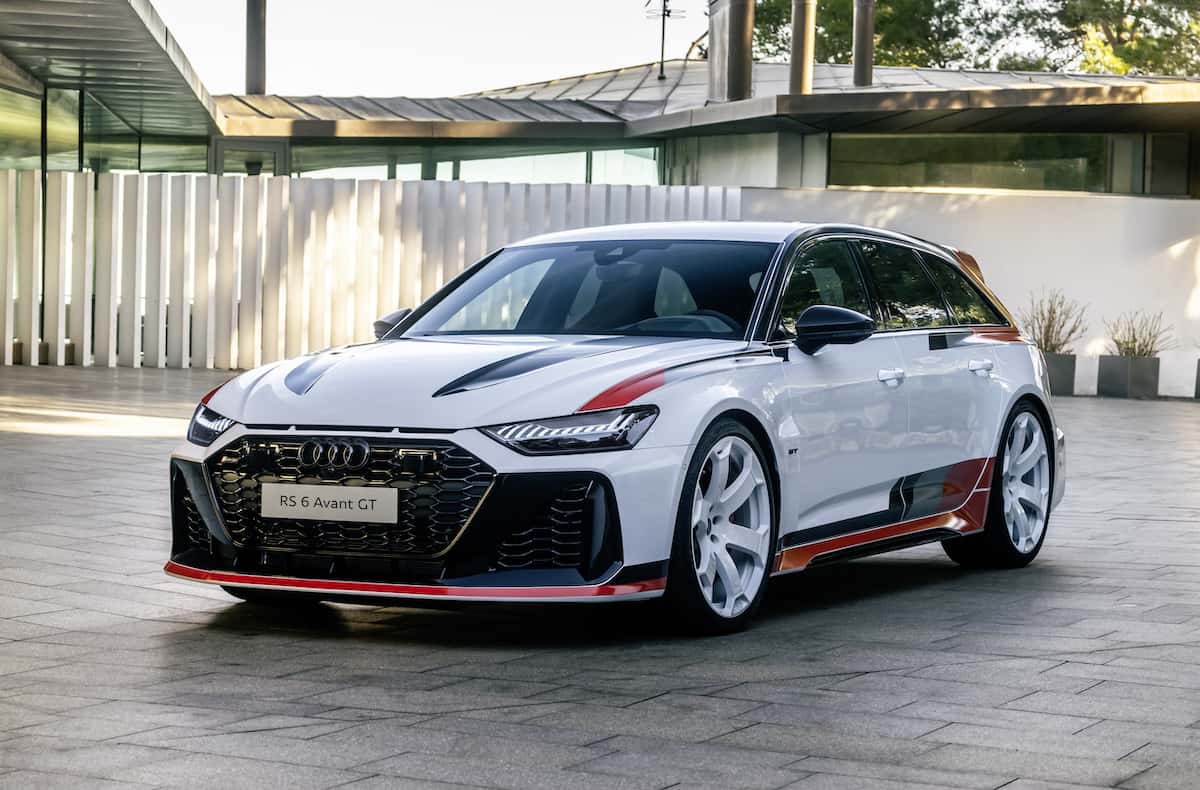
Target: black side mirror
[389, 321]
[822, 325]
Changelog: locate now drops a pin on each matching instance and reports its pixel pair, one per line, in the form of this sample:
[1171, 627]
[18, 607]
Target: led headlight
[594, 431]
[207, 425]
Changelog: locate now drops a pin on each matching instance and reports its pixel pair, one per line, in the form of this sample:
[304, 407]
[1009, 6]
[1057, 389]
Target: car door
[847, 408]
[947, 386]
[974, 349]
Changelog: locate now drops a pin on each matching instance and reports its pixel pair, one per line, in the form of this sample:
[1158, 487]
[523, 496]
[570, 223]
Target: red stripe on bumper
[413, 590]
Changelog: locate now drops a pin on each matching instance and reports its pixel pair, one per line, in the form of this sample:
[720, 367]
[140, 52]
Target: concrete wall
[1114, 253]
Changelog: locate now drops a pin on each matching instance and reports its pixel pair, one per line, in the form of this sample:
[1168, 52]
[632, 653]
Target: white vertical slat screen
[250, 281]
[133, 271]
[204, 320]
[83, 267]
[182, 251]
[229, 246]
[274, 296]
[158, 253]
[109, 201]
[8, 263]
[29, 264]
[234, 271]
[55, 271]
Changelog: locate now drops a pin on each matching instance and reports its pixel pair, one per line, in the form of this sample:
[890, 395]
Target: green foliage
[942, 33]
[1150, 36]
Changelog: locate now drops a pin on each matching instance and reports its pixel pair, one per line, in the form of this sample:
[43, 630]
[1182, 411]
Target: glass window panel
[824, 274]
[62, 129]
[909, 298]
[1007, 161]
[1168, 164]
[175, 156]
[108, 144]
[629, 166]
[242, 162]
[967, 304]
[568, 168]
[20, 131]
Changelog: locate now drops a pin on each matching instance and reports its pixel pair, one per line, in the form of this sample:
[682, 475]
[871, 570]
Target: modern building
[102, 85]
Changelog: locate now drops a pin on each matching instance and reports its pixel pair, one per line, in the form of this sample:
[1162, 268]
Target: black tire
[684, 599]
[279, 598]
[993, 548]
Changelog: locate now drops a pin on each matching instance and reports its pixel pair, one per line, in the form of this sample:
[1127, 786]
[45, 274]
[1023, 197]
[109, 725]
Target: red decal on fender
[627, 391]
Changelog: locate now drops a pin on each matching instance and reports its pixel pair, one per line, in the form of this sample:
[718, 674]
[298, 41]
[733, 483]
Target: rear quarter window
[967, 304]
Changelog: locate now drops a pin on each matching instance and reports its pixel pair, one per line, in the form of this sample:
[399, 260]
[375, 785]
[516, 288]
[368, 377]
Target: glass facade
[62, 129]
[1004, 161]
[20, 130]
[477, 162]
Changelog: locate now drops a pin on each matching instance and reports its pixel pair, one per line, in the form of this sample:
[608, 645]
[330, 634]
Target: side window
[824, 273]
[966, 303]
[909, 297]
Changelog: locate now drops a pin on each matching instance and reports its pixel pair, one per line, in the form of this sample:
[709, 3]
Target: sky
[423, 47]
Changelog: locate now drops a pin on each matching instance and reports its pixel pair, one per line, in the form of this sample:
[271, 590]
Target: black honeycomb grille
[197, 532]
[556, 538]
[439, 487]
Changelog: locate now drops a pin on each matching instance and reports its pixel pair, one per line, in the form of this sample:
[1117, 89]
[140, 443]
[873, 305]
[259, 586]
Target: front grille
[439, 486]
[197, 533]
[555, 538]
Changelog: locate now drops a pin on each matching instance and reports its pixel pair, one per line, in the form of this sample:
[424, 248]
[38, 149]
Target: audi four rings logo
[341, 454]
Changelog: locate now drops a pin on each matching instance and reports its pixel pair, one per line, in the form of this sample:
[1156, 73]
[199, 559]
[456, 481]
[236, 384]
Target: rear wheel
[1019, 503]
[724, 532]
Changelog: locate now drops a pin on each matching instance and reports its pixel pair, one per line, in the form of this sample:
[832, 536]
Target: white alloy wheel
[1026, 482]
[731, 526]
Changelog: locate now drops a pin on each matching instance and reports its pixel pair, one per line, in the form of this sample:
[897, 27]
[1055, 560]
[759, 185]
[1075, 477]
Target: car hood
[450, 381]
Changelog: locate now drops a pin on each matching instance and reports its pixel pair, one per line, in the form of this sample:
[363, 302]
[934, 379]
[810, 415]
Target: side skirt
[966, 515]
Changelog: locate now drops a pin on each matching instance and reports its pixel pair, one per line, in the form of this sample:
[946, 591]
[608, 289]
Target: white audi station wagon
[676, 410]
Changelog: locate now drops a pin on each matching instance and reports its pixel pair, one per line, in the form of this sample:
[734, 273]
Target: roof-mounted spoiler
[968, 262]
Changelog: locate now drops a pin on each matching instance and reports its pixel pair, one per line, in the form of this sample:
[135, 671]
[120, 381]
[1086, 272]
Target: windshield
[692, 288]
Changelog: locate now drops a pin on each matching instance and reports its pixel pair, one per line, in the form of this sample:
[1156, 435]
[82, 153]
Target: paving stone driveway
[900, 671]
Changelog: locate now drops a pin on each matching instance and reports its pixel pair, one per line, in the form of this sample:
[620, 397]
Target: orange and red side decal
[965, 488]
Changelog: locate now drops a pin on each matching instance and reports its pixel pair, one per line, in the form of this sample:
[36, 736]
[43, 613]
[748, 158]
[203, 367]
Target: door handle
[892, 376]
[980, 367]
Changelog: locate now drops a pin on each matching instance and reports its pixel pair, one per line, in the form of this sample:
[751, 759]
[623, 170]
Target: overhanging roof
[900, 100]
[427, 118]
[119, 51]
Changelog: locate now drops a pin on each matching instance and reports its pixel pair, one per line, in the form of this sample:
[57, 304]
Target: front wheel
[724, 532]
[1019, 502]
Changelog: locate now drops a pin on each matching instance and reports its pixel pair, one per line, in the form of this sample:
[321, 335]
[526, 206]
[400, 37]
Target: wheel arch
[1043, 411]
[755, 426]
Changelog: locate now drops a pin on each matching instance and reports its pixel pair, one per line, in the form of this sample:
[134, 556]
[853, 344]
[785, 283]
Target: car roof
[774, 232]
[771, 232]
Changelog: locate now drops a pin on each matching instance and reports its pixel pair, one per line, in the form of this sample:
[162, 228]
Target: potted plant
[1055, 323]
[1130, 370]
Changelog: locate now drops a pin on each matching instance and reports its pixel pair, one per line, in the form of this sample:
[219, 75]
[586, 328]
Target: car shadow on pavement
[790, 599]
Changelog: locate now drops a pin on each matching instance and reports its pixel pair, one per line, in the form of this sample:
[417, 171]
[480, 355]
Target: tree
[1150, 36]
[940, 33]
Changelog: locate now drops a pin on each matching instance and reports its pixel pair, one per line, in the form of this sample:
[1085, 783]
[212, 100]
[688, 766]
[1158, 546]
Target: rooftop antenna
[663, 11]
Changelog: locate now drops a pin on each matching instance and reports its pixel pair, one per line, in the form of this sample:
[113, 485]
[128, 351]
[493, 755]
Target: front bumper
[617, 550]
[1060, 467]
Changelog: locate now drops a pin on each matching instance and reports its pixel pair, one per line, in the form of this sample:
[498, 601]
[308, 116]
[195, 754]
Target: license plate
[329, 503]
